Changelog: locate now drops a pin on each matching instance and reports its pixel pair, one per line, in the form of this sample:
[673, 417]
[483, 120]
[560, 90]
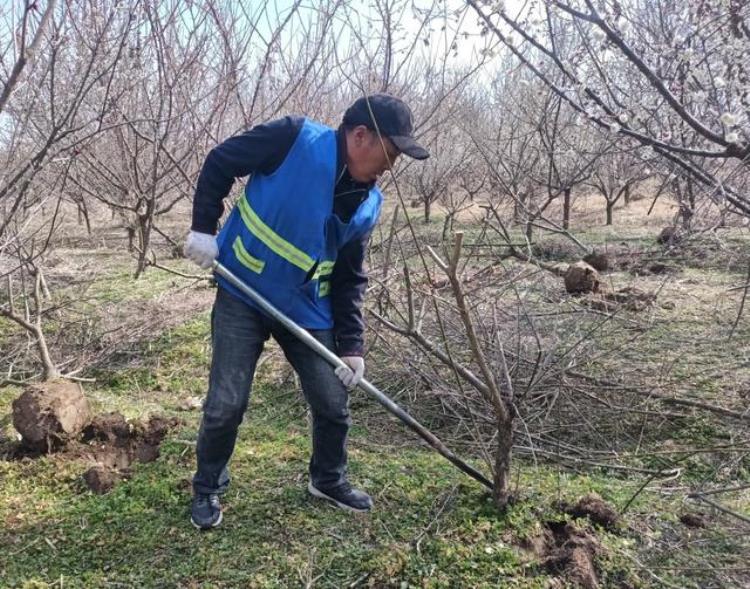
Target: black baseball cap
[394, 120]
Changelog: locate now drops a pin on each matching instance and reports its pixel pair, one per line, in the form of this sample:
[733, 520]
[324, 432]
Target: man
[298, 236]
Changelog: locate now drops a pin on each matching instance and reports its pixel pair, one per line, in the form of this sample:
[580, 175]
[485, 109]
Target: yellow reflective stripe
[324, 269]
[272, 239]
[245, 258]
[324, 289]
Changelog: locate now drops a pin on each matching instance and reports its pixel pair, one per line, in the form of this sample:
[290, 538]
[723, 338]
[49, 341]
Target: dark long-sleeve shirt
[261, 150]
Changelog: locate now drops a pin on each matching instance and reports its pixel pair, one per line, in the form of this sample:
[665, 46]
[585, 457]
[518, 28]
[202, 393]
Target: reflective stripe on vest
[279, 245]
[245, 258]
[324, 269]
[273, 240]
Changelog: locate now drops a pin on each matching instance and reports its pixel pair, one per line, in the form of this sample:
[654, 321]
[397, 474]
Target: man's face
[367, 157]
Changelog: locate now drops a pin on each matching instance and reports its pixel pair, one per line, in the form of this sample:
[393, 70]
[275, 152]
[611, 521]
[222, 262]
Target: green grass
[433, 526]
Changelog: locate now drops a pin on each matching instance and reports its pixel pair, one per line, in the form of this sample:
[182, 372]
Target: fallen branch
[719, 506]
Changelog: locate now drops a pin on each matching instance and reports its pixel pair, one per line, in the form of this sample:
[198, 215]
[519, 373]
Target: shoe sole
[321, 495]
[218, 521]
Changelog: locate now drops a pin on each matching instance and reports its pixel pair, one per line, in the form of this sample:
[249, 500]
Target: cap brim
[409, 146]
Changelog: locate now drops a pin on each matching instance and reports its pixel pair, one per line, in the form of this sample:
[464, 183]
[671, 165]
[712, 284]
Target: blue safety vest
[282, 237]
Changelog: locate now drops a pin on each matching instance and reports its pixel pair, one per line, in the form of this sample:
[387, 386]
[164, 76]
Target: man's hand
[201, 248]
[353, 372]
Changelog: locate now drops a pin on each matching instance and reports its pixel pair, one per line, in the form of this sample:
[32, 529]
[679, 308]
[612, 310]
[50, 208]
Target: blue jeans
[238, 333]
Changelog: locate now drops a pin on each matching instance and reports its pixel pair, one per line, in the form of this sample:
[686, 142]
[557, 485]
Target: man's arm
[261, 149]
[348, 285]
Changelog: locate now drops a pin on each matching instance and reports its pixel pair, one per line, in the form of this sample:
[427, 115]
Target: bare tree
[57, 69]
[618, 173]
[634, 49]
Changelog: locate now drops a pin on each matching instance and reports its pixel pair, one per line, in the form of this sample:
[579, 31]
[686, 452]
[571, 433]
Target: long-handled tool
[365, 385]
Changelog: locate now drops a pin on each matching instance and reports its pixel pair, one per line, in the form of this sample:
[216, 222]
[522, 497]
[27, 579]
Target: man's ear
[361, 133]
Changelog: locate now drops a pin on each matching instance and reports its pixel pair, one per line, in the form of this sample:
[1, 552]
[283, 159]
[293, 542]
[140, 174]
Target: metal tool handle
[304, 336]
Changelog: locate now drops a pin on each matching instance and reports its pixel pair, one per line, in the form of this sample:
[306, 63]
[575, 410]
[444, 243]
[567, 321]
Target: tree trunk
[687, 208]
[131, 238]
[427, 206]
[501, 475]
[626, 196]
[610, 208]
[447, 225]
[566, 209]
[49, 370]
[144, 242]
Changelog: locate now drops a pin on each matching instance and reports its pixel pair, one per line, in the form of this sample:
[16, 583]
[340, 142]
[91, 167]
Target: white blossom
[732, 137]
[728, 119]
[598, 34]
[614, 128]
[623, 24]
[623, 118]
[719, 82]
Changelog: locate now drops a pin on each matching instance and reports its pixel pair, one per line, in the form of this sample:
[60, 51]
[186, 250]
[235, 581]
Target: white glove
[353, 372]
[201, 248]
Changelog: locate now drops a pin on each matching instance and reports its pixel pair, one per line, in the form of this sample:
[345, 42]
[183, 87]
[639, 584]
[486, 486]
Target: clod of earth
[670, 236]
[118, 443]
[49, 414]
[593, 507]
[694, 520]
[568, 551]
[107, 427]
[581, 278]
[597, 260]
[114, 444]
[101, 479]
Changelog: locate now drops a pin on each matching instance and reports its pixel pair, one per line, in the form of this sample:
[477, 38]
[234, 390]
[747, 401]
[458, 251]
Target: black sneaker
[344, 496]
[205, 512]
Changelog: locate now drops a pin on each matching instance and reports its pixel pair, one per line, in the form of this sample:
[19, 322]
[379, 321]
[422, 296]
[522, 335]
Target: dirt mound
[109, 442]
[593, 507]
[49, 414]
[114, 444]
[568, 551]
[107, 427]
[581, 278]
[597, 260]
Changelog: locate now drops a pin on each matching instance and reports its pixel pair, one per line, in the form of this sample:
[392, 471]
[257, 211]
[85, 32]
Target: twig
[672, 473]
[638, 492]
[648, 570]
[725, 490]
[449, 495]
[662, 397]
[155, 264]
[719, 506]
